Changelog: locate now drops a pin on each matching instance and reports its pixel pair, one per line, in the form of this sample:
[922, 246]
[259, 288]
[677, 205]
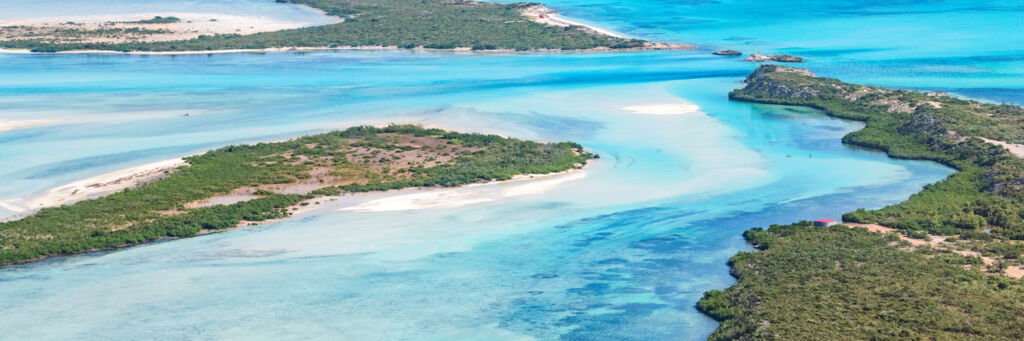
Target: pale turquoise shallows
[622, 250]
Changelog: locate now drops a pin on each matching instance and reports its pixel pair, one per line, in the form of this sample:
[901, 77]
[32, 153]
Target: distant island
[407, 24]
[244, 184]
[941, 267]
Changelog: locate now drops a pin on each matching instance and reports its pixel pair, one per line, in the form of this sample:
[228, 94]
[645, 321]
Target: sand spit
[6, 125]
[96, 186]
[664, 109]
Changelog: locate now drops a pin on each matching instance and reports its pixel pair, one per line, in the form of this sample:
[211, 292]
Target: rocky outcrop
[769, 68]
[727, 53]
[761, 83]
[760, 58]
[785, 58]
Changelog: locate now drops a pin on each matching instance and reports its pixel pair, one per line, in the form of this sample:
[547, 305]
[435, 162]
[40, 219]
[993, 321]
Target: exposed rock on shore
[728, 53]
[760, 57]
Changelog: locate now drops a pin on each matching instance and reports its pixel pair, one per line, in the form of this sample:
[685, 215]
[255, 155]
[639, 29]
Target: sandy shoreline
[549, 16]
[519, 185]
[93, 187]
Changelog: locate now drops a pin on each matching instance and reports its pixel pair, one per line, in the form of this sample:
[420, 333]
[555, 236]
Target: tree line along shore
[245, 184]
[433, 24]
[845, 282]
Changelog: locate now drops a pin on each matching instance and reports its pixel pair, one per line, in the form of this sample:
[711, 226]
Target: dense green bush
[839, 283]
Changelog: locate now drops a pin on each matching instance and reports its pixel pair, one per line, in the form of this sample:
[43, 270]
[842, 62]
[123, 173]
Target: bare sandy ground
[94, 187]
[6, 125]
[1015, 149]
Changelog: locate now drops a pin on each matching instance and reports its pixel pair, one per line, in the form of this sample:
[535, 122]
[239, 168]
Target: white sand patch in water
[664, 109]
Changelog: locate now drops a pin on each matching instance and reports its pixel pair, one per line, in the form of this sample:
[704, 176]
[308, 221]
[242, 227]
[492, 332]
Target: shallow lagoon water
[622, 253]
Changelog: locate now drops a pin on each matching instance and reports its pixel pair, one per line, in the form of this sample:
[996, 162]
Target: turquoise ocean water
[622, 252]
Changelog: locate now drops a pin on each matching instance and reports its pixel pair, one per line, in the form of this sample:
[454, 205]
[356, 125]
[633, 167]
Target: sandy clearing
[939, 242]
[1015, 149]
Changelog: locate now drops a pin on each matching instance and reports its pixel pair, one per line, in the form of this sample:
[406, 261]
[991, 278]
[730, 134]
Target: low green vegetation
[276, 176]
[839, 283]
[77, 34]
[156, 20]
[439, 24]
[842, 283]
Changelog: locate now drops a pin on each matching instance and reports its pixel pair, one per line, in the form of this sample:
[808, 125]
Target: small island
[244, 184]
[406, 24]
[727, 53]
[941, 267]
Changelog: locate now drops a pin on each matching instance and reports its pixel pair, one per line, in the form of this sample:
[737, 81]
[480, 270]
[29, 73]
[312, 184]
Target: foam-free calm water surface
[622, 253]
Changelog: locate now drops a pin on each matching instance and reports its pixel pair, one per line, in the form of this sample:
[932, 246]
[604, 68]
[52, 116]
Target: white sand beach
[95, 186]
[470, 194]
[548, 16]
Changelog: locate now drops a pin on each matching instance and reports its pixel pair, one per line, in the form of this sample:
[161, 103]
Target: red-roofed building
[824, 223]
